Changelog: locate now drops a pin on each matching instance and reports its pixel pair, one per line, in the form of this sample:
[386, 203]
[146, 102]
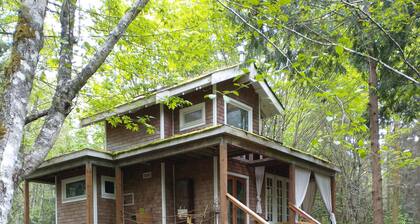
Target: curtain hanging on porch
[259, 179]
[324, 186]
[302, 177]
[308, 202]
[302, 181]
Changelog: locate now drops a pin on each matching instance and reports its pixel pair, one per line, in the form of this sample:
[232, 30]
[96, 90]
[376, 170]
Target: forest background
[319, 57]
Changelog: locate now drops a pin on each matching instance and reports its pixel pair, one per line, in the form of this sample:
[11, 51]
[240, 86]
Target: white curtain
[309, 200]
[259, 179]
[302, 181]
[302, 177]
[324, 186]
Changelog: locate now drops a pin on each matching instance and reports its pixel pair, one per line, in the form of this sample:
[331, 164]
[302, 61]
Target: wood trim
[214, 92]
[163, 191]
[223, 172]
[162, 121]
[303, 214]
[118, 195]
[247, 210]
[292, 199]
[333, 194]
[26, 217]
[95, 196]
[89, 192]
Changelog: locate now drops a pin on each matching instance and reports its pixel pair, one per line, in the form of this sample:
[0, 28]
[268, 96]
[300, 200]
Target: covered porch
[219, 175]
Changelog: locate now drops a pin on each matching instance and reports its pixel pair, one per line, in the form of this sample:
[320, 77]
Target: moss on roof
[160, 141]
[180, 136]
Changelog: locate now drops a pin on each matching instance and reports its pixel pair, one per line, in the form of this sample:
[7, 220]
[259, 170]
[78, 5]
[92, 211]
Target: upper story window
[238, 114]
[73, 189]
[192, 116]
[108, 187]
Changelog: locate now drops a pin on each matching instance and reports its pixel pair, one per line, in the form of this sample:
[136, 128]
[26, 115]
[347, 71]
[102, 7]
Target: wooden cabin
[205, 163]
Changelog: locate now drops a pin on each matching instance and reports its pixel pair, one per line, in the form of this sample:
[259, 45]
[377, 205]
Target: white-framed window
[238, 114]
[128, 199]
[73, 189]
[108, 187]
[276, 198]
[192, 116]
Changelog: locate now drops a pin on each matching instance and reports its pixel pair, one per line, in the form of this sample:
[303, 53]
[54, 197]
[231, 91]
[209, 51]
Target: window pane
[193, 116]
[75, 189]
[237, 117]
[109, 187]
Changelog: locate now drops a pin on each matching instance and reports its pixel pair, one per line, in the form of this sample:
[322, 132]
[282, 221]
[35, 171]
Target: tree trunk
[378, 213]
[19, 74]
[27, 43]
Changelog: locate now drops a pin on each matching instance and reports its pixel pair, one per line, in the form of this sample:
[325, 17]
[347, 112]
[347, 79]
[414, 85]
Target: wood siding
[120, 138]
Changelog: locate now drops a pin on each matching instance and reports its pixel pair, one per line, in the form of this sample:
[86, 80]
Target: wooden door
[237, 188]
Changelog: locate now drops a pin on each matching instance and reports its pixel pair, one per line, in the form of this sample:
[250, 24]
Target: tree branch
[36, 116]
[387, 34]
[328, 44]
[68, 89]
[332, 44]
[289, 62]
[100, 55]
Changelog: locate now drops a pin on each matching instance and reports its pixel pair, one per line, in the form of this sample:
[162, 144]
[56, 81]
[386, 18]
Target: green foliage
[174, 101]
[133, 124]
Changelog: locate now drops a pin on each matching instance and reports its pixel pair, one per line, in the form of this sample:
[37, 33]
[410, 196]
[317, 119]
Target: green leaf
[339, 49]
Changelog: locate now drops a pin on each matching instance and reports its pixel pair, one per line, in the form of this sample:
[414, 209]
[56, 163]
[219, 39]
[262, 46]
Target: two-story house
[205, 163]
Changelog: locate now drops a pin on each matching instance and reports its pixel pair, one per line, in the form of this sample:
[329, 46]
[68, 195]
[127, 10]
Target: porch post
[223, 163]
[26, 219]
[292, 199]
[89, 193]
[333, 196]
[118, 196]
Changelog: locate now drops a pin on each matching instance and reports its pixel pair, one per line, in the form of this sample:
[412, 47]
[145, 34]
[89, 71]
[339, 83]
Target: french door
[276, 196]
[237, 188]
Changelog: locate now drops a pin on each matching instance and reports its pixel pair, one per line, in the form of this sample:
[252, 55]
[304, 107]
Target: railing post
[223, 163]
[292, 199]
[118, 196]
[26, 217]
[89, 193]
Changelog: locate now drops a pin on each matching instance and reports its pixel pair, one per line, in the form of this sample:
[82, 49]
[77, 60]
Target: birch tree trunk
[378, 213]
[19, 74]
[27, 43]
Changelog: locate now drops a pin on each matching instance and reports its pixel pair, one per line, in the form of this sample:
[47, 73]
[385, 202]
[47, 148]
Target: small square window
[192, 116]
[108, 187]
[73, 189]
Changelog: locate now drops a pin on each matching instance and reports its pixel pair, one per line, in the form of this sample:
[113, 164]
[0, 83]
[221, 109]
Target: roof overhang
[186, 143]
[270, 104]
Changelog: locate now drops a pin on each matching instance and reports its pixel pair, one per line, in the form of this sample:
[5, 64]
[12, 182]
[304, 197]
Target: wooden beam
[119, 216]
[292, 198]
[26, 218]
[89, 192]
[223, 172]
[333, 194]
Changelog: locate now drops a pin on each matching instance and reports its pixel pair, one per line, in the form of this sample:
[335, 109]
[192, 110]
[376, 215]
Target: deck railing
[303, 214]
[247, 210]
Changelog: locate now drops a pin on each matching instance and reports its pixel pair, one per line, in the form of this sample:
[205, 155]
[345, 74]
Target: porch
[220, 175]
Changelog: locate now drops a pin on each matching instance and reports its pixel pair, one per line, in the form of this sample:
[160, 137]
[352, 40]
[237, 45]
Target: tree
[28, 40]
[293, 36]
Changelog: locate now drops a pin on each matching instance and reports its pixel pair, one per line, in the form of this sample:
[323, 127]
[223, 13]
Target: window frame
[64, 182]
[185, 126]
[103, 193]
[228, 100]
